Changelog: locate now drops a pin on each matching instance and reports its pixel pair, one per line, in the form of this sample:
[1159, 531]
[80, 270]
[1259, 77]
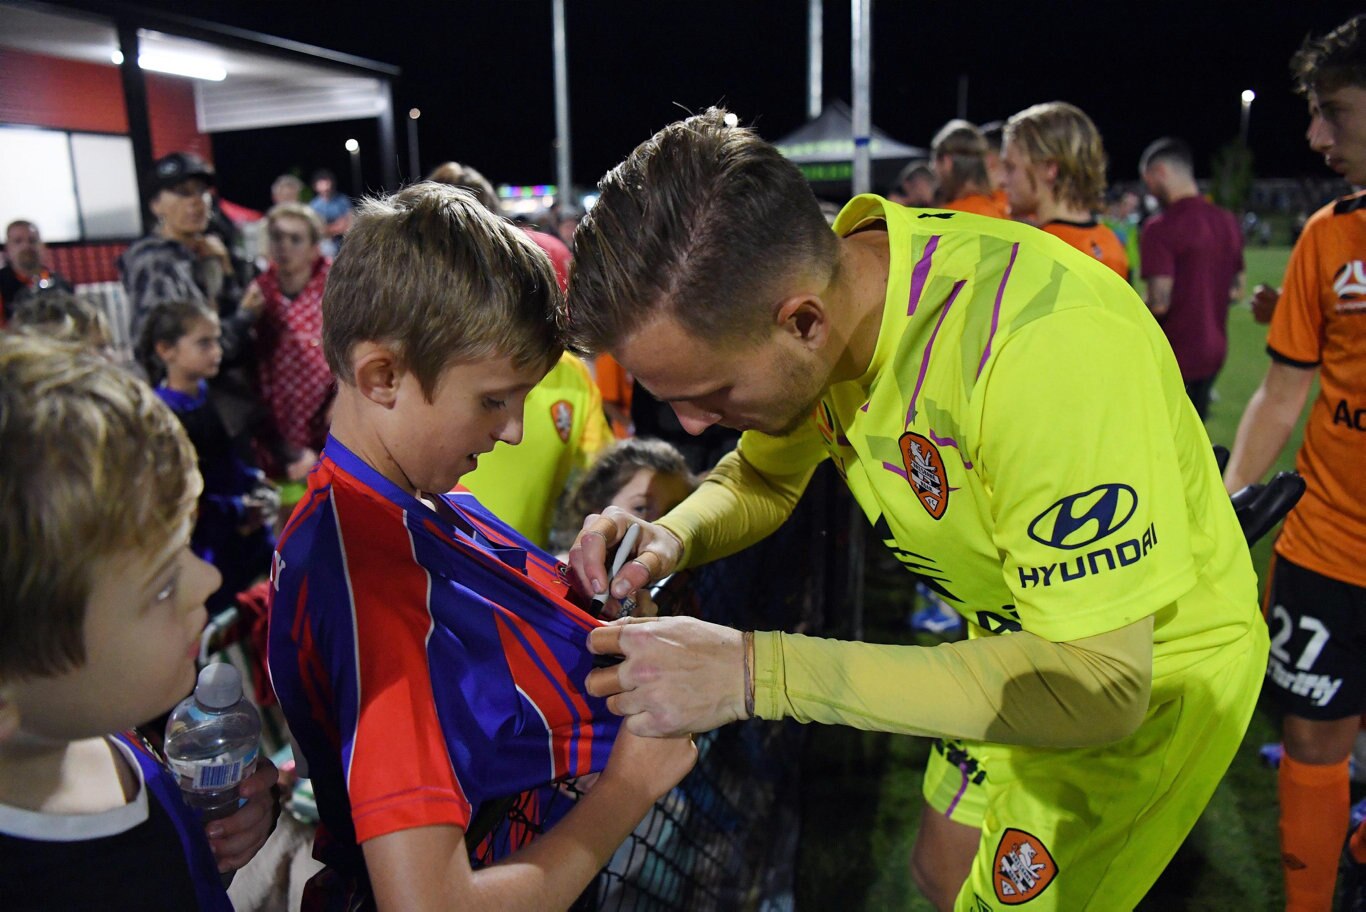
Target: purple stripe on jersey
[920, 274]
[948, 812]
[996, 312]
[949, 442]
[929, 347]
[896, 470]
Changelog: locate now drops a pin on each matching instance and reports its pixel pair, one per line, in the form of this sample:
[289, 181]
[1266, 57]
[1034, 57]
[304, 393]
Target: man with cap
[180, 260]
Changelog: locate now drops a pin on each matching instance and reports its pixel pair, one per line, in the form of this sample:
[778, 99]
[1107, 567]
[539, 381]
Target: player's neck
[1059, 211]
[88, 776]
[858, 294]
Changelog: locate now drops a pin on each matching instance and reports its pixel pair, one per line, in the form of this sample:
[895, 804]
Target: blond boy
[101, 607]
[429, 663]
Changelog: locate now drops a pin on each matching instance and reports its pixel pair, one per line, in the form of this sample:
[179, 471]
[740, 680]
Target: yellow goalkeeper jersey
[1022, 441]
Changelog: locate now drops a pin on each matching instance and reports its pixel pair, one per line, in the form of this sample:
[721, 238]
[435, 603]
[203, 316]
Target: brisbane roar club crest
[562, 413]
[1023, 867]
[925, 471]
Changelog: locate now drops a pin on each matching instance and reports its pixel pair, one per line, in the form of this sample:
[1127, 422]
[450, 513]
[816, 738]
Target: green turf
[861, 791]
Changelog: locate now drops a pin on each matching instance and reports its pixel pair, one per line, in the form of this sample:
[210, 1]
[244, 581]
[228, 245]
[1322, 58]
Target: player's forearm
[1013, 689]
[554, 869]
[735, 507]
[1266, 425]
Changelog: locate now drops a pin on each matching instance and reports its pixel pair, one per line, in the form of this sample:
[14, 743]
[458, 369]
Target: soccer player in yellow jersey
[1014, 426]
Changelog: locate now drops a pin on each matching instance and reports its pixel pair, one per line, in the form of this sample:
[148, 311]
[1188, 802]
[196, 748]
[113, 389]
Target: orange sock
[1314, 813]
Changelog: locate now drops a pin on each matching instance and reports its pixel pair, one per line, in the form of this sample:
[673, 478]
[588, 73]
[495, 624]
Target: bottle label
[215, 774]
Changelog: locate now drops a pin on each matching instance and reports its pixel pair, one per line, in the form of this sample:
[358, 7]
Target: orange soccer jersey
[1093, 238]
[981, 204]
[1321, 322]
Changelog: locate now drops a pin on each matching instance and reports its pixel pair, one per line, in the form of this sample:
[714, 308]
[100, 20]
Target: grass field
[861, 791]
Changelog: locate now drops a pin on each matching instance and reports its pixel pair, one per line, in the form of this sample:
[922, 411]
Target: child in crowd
[180, 348]
[61, 315]
[642, 475]
[428, 658]
[101, 606]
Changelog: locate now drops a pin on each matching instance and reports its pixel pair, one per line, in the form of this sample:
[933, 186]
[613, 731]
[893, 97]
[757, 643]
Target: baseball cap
[177, 168]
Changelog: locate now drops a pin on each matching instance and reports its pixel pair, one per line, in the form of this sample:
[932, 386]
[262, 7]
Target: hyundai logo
[1080, 519]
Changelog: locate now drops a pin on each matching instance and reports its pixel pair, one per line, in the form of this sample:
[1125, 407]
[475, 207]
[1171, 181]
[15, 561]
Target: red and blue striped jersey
[426, 661]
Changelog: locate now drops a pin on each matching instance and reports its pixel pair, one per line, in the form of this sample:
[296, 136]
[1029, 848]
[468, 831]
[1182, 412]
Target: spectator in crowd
[993, 132]
[286, 189]
[180, 260]
[938, 363]
[563, 424]
[566, 220]
[24, 268]
[1122, 216]
[643, 476]
[293, 379]
[1054, 167]
[959, 153]
[1316, 594]
[179, 347]
[915, 186]
[456, 174]
[1192, 255]
[62, 316]
[101, 604]
[333, 207]
[435, 326]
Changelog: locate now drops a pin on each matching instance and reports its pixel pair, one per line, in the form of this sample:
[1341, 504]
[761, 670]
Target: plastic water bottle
[212, 739]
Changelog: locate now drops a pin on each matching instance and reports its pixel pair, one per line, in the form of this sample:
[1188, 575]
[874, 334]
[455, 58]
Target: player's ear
[376, 370]
[804, 317]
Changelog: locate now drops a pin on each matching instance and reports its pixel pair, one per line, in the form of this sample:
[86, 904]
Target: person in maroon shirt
[1192, 256]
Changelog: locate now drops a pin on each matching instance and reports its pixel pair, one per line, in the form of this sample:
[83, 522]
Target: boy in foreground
[427, 657]
[101, 608]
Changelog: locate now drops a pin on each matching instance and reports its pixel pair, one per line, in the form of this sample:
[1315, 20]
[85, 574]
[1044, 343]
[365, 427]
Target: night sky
[481, 72]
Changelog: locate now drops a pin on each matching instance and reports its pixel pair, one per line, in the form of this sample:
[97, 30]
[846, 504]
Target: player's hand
[650, 766]
[239, 836]
[1263, 302]
[679, 675]
[657, 554]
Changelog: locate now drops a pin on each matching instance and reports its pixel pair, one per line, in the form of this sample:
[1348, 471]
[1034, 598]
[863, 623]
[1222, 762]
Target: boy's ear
[377, 371]
[805, 319]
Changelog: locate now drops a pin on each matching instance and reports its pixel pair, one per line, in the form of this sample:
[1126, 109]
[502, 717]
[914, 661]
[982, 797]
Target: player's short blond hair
[437, 277]
[1062, 133]
[92, 463]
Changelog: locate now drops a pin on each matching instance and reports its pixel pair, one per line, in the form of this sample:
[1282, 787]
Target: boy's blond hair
[1062, 133]
[62, 316]
[92, 463]
[434, 275]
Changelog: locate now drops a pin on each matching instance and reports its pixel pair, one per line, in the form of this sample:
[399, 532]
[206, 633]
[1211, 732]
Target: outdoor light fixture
[1249, 96]
[176, 65]
[352, 146]
[414, 113]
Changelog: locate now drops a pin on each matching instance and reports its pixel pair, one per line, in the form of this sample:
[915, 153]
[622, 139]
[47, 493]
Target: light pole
[414, 161]
[1248, 97]
[357, 188]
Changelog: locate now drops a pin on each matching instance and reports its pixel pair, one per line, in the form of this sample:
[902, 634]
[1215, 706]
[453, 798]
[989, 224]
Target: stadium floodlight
[414, 113]
[352, 146]
[1249, 96]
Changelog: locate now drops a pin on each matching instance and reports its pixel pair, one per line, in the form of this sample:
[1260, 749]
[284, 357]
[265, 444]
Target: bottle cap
[219, 686]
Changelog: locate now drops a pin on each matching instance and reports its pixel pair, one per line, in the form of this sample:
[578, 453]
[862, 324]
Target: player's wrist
[747, 675]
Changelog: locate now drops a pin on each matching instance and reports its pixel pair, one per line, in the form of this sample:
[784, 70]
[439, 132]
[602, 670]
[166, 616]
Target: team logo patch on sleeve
[1023, 868]
[562, 413]
[925, 472]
